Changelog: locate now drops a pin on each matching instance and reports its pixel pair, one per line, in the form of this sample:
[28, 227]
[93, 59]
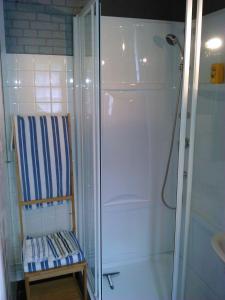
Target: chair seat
[51, 251]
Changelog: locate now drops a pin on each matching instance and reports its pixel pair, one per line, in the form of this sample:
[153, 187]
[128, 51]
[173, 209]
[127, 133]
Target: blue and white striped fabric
[43, 157]
[51, 251]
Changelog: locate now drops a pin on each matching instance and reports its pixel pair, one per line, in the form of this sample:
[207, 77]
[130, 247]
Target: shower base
[146, 280]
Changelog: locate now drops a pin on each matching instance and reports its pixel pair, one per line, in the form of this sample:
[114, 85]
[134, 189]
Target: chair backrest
[44, 160]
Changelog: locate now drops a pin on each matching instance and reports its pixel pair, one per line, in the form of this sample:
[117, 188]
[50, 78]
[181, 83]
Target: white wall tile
[25, 94]
[69, 63]
[11, 93]
[43, 108]
[58, 108]
[59, 63]
[11, 77]
[26, 78]
[42, 78]
[27, 108]
[11, 62]
[42, 62]
[59, 94]
[58, 79]
[43, 94]
[69, 78]
[25, 62]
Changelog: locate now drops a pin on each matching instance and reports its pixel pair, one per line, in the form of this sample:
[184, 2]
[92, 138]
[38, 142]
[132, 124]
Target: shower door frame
[182, 153]
[182, 138]
[179, 270]
[93, 7]
[194, 101]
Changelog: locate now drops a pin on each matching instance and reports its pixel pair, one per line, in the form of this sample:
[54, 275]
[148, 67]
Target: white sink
[218, 243]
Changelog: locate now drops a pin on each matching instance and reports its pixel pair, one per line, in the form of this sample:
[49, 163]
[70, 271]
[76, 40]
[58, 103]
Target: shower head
[173, 40]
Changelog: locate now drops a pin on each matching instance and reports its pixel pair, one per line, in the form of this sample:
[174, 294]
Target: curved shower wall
[139, 78]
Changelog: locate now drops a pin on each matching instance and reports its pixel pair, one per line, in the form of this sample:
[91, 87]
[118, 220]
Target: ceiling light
[213, 43]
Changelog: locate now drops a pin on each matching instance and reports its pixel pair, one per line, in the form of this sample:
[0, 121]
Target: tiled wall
[36, 84]
[41, 26]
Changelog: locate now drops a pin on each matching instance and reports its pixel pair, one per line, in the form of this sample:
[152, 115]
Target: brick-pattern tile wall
[40, 26]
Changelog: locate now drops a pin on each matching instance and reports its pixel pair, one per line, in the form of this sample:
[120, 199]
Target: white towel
[36, 249]
[51, 247]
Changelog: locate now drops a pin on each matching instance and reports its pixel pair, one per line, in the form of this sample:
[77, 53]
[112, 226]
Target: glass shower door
[203, 270]
[87, 107]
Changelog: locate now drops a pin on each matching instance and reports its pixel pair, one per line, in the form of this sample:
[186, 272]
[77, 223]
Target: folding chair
[45, 178]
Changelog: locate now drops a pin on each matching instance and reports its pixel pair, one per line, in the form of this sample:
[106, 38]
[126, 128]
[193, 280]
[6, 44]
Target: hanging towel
[43, 156]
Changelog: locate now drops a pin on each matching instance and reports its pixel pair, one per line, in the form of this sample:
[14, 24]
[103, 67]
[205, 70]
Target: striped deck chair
[45, 178]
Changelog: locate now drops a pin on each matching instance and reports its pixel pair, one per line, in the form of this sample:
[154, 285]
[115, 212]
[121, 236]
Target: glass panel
[205, 270]
[87, 115]
[87, 134]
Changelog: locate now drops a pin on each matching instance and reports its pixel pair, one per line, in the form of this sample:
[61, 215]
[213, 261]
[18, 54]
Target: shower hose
[172, 143]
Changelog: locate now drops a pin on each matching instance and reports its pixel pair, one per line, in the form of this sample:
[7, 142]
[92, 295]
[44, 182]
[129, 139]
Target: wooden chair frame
[64, 270]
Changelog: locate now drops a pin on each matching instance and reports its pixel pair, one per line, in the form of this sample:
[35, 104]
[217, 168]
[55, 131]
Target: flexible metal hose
[172, 143]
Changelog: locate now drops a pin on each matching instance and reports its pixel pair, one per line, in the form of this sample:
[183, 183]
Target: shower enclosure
[127, 93]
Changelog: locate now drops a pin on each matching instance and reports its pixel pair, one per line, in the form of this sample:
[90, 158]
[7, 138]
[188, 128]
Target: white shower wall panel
[137, 106]
[135, 132]
[134, 53]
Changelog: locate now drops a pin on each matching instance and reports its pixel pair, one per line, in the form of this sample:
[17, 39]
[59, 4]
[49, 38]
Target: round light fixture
[214, 43]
